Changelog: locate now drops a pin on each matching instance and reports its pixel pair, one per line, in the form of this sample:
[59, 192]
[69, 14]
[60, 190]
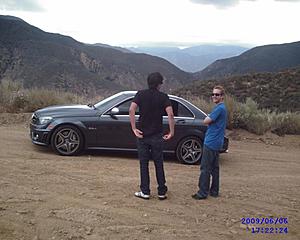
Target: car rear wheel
[189, 150]
[67, 140]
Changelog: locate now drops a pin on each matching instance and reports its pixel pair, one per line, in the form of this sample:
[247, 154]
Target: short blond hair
[219, 87]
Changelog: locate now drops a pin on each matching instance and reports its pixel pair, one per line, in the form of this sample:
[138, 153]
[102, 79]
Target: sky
[163, 22]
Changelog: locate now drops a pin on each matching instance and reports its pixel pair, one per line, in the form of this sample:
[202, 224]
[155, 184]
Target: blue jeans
[151, 148]
[209, 167]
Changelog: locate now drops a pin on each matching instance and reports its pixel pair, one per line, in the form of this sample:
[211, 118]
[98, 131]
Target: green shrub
[248, 116]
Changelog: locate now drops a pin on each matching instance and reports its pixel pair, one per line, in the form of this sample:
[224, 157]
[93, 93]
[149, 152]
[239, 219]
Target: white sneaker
[162, 197]
[142, 195]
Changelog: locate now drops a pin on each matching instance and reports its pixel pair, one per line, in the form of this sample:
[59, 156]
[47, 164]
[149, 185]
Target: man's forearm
[171, 124]
[132, 120]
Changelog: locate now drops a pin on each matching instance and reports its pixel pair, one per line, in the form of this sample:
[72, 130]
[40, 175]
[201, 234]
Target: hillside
[40, 59]
[276, 91]
[269, 58]
[192, 59]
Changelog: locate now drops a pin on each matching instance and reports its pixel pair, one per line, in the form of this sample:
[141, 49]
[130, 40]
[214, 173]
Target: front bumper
[39, 136]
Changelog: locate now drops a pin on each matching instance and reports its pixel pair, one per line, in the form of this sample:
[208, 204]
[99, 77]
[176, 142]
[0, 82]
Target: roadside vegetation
[15, 99]
[246, 115]
[249, 116]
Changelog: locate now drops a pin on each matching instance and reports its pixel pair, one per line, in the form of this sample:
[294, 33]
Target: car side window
[183, 111]
[180, 110]
[124, 108]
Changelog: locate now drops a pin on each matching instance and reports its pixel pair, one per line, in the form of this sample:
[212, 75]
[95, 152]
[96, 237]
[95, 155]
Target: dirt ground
[46, 196]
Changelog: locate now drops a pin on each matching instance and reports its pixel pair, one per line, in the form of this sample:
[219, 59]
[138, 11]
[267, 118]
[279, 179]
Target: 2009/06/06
[278, 220]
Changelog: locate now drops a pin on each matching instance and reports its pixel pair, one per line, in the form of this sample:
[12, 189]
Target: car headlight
[44, 120]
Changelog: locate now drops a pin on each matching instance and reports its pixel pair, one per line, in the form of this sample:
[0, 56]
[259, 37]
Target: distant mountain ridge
[269, 58]
[192, 59]
[278, 91]
[40, 59]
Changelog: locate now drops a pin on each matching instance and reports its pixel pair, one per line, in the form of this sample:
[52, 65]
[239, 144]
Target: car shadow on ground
[168, 157]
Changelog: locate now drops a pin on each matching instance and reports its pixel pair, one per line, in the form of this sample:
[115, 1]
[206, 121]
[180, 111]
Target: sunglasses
[216, 94]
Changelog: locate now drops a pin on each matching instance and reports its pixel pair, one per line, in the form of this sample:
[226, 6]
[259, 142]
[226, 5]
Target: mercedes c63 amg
[106, 125]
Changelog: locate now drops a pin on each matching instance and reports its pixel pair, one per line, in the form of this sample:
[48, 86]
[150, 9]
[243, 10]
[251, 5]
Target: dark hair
[154, 79]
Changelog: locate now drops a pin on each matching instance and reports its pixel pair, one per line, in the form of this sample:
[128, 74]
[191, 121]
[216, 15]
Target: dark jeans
[151, 148]
[209, 167]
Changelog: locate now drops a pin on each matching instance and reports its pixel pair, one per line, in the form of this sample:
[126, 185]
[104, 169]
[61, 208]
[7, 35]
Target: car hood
[66, 110]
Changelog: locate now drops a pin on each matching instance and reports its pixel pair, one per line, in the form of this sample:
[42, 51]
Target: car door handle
[182, 121]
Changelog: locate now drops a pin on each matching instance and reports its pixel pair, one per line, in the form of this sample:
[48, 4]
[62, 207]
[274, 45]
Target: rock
[234, 220]
[22, 212]
[88, 230]
[243, 226]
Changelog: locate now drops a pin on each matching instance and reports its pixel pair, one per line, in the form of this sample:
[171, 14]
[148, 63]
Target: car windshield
[106, 100]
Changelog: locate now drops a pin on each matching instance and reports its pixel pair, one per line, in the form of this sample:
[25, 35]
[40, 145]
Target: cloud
[230, 3]
[20, 5]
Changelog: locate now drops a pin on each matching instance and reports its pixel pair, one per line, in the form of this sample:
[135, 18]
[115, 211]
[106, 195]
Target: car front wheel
[67, 140]
[189, 150]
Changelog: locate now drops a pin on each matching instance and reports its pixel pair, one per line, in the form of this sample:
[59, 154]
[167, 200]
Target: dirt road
[45, 196]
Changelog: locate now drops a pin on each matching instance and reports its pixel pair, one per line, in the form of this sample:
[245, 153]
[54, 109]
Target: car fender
[60, 122]
[192, 132]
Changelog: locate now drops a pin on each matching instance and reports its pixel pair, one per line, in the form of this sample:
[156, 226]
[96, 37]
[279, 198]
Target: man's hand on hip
[168, 136]
[138, 133]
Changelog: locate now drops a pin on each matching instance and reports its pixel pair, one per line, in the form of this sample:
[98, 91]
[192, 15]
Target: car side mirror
[114, 111]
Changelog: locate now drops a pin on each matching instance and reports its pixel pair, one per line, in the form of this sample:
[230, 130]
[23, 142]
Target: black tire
[189, 150]
[67, 140]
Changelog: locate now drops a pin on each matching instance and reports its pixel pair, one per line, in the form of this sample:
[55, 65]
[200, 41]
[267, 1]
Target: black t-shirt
[152, 104]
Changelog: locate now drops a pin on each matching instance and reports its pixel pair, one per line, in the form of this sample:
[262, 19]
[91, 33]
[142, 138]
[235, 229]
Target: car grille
[34, 119]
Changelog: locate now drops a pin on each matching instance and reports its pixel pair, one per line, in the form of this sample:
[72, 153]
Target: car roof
[132, 93]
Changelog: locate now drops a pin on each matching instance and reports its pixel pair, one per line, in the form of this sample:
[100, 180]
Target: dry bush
[248, 116]
[40, 98]
[201, 103]
[286, 123]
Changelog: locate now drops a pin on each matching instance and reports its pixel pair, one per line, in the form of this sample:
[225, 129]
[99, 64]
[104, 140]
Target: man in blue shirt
[213, 142]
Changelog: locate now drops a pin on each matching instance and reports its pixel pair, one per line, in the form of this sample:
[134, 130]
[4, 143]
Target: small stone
[88, 230]
[243, 226]
[145, 215]
[233, 231]
[23, 212]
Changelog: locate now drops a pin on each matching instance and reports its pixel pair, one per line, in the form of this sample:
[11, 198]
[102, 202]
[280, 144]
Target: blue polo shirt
[214, 136]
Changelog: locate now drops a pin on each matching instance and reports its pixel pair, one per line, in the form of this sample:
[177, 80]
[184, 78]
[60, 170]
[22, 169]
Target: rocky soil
[46, 196]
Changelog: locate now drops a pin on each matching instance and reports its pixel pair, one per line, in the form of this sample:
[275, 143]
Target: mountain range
[192, 59]
[46, 60]
[278, 91]
[269, 58]
[41, 59]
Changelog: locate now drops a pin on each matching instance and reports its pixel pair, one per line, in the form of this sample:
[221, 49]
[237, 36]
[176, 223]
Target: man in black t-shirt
[149, 132]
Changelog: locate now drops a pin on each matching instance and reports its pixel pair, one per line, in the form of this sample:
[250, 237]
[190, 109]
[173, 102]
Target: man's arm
[138, 133]
[207, 120]
[171, 121]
